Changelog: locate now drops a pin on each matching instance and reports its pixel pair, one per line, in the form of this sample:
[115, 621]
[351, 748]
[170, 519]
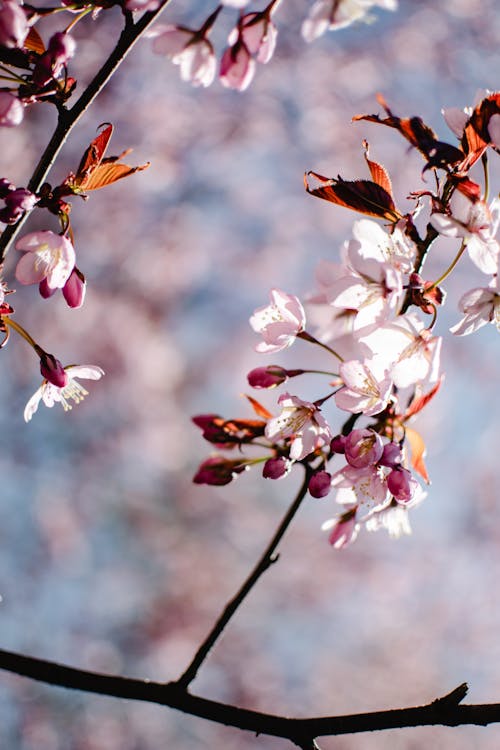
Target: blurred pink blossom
[14, 24]
[258, 33]
[336, 14]
[188, 49]
[343, 530]
[480, 306]
[237, 67]
[367, 387]
[11, 110]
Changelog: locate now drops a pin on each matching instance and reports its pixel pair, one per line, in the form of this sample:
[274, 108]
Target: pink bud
[237, 68]
[338, 444]
[267, 377]
[17, 201]
[391, 455]
[320, 484]
[363, 448]
[276, 468]
[401, 484]
[11, 110]
[61, 47]
[52, 370]
[5, 187]
[74, 289]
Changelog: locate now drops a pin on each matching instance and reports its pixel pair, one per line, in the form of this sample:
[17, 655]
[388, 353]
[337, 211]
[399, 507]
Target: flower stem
[450, 268]
[75, 20]
[9, 322]
[266, 560]
[307, 337]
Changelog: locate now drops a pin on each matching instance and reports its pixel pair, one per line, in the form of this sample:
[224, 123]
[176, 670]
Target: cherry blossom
[71, 391]
[367, 387]
[258, 33]
[303, 423]
[362, 448]
[343, 530]
[494, 130]
[407, 349]
[11, 110]
[190, 50]
[279, 323]
[336, 14]
[477, 224]
[393, 518]
[237, 66]
[480, 306]
[365, 486]
[14, 24]
[320, 484]
[47, 256]
[457, 118]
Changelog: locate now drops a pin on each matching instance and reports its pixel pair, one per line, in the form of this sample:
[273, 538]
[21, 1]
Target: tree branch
[266, 560]
[445, 711]
[68, 118]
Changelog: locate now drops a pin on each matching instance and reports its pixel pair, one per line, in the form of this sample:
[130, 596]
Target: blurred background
[110, 558]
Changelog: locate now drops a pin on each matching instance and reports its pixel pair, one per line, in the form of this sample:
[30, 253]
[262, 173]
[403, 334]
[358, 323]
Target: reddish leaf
[420, 135]
[34, 42]
[419, 402]
[418, 450]
[378, 172]
[260, 410]
[364, 196]
[476, 138]
[95, 171]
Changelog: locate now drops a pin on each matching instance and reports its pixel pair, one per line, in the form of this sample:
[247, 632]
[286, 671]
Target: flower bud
[14, 24]
[45, 290]
[52, 370]
[338, 444]
[391, 455]
[363, 448]
[74, 289]
[320, 484]
[11, 110]
[218, 471]
[401, 484]
[5, 187]
[267, 377]
[276, 468]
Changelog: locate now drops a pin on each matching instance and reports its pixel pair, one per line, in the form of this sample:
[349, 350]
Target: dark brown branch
[445, 711]
[131, 33]
[266, 560]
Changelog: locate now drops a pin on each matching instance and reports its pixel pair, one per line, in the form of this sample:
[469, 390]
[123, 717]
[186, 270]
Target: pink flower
[47, 256]
[190, 50]
[367, 387]
[14, 24]
[480, 306]
[494, 130]
[11, 110]
[141, 5]
[237, 67]
[72, 390]
[258, 33]
[477, 224]
[401, 484]
[365, 486]
[279, 323]
[60, 50]
[343, 530]
[303, 423]
[363, 448]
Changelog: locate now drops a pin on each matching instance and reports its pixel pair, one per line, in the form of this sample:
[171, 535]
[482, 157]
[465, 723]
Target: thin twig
[68, 118]
[267, 559]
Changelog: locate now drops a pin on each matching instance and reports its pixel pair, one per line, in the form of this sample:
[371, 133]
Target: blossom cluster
[379, 316]
[252, 40]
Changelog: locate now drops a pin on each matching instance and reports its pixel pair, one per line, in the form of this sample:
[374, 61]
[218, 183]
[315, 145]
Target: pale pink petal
[32, 405]
[455, 118]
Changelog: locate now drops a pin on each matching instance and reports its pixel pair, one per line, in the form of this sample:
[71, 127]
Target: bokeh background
[110, 558]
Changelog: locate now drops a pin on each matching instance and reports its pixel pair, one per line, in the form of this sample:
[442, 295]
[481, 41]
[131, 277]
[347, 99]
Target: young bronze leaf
[94, 153]
[418, 450]
[378, 172]
[260, 410]
[476, 137]
[34, 42]
[419, 402]
[107, 173]
[363, 196]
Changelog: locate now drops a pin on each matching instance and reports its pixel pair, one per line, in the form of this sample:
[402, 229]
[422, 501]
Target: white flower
[279, 323]
[47, 256]
[301, 421]
[194, 56]
[477, 224]
[336, 14]
[367, 387]
[480, 306]
[51, 394]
